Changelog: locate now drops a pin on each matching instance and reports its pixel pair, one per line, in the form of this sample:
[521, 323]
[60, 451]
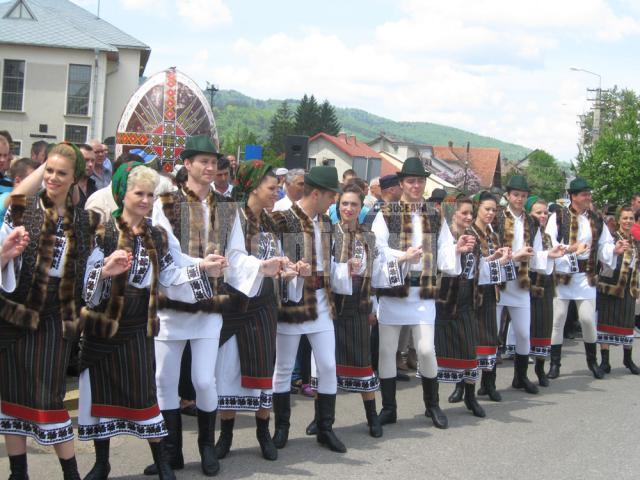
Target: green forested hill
[233, 111]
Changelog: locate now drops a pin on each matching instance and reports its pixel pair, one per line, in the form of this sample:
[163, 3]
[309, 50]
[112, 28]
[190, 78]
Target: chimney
[353, 137]
[342, 136]
[450, 144]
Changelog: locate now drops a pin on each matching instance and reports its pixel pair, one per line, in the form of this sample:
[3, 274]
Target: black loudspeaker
[296, 151]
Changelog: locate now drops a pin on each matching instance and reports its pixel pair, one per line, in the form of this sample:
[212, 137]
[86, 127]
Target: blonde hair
[65, 151]
[143, 175]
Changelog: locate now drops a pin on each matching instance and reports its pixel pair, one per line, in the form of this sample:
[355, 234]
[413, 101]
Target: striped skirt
[616, 318]
[244, 367]
[33, 368]
[455, 338]
[542, 320]
[117, 384]
[487, 340]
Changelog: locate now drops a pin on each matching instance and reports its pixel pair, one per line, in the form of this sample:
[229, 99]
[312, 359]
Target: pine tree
[307, 116]
[328, 119]
[282, 124]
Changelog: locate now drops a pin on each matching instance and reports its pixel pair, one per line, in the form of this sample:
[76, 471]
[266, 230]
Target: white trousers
[204, 352]
[520, 326]
[423, 340]
[323, 345]
[586, 317]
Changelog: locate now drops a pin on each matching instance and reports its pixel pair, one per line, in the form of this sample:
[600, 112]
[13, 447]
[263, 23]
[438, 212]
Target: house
[403, 149]
[485, 162]
[65, 73]
[345, 152]
[392, 165]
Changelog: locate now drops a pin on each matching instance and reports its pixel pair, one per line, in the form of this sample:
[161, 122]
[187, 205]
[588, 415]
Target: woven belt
[315, 281]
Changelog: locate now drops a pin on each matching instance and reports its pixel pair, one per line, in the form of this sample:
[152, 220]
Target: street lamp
[597, 106]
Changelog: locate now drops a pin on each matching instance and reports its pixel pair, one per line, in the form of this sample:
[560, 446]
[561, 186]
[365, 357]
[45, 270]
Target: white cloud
[204, 13]
[139, 4]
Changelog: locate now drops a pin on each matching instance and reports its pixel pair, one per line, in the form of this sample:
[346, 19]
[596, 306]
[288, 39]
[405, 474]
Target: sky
[495, 67]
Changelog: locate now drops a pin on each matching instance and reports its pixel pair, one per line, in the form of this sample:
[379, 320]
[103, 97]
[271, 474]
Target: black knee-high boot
[592, 361]
[375, 429]
[543, 381]
[432, 402]
[388, 414]
[488, 385]
[556, 355]
[312, 428]
[471, 402]
[172, 443]
[628, 362]
[520, 379]
[18, 466]
[282, 414]
[268, 449]
[326, 417]
[458, 392]
[206, 443]
[69, 468]
[223, 445]
[101, 468]
[161, 460]
[605, 366]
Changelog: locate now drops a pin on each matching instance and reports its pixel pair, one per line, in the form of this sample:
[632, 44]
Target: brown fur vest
[625, 273]
[503, 225]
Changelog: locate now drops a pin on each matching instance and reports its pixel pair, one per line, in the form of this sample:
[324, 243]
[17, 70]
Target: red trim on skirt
[615, 330]
[486, 350]
[111, 411]
[457, 363]
[540, 342]
[345, 371]
[35, 415]
[263, 383]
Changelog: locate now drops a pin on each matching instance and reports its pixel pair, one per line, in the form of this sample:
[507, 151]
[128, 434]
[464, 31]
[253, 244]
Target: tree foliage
[611, 163]
[328, 119]
[467, 181]
[307, 116]
[544, 175]
[282, 124]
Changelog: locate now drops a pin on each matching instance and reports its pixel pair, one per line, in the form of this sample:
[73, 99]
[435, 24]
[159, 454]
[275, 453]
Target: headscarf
[531, 201]
[119, 184]
[248, 178]
[80, 168]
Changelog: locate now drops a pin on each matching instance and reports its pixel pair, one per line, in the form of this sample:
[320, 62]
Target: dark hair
[19, 167]
[635, 195]
[357, 181]
[7, 135]
[554, 207]
[223, 163]
[84, 146]
[181, 176]
[38, 147]
[124, 158]
[624, 208]
[637, 215]
[484, 196]
[349, 171]
[350, 188]
[462, 200]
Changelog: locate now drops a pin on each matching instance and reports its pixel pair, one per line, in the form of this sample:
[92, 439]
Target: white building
[65, 74]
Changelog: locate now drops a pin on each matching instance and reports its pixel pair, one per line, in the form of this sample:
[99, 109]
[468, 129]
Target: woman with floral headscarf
[244, 369]
[131, 261]
[39, 306]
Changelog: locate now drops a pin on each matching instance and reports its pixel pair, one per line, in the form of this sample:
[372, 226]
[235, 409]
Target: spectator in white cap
[281, 173]
[294, 186]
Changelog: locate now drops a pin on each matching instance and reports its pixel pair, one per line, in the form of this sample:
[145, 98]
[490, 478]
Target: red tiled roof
[483, 161]
[349, 145]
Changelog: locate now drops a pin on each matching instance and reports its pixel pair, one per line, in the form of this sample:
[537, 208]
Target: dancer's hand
[14, 244]
[116, 263]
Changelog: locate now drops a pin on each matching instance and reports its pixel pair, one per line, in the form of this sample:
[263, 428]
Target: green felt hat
[578, 185]
[199, 144]
[518, 182]
[323, 177]
[413, 167]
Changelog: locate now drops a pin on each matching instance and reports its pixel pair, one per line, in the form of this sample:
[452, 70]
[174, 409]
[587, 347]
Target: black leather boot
[162, 460]
[18, 466]
[69, 469]
[471, 402]
[456, 395]
[172, 442]
[556, 355]
[520, 379]
[225, 439]
[282, 413]
[543, 381]
[312, 428]
[592, 361]
[101, 468]
[605, 366]
[432, 403]
[628, 362]
[206, 443]
[269, 450]
[489, 387]
[326, 417]
[388, 414]
[375, 429]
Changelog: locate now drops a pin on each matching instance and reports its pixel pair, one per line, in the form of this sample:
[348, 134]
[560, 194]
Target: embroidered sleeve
[96, 289]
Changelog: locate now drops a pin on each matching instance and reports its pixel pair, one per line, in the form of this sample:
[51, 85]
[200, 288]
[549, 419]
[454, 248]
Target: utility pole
[211, 91]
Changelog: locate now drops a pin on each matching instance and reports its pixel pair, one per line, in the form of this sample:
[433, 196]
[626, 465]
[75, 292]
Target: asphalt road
[579, 427]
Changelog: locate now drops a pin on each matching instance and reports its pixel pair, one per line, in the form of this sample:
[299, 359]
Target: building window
[13, 85]
[75, 133]
[16, 148]
[78, 89]
[367, 168]
[312, 163]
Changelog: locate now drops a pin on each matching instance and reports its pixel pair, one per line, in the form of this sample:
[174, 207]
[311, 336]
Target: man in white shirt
[294, 187]
[586, 240]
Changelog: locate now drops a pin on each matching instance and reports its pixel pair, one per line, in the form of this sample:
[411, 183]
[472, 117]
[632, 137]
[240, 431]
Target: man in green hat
[305, 231]
[586, 241]
[199, 222]
[518, 231]
[413, 242]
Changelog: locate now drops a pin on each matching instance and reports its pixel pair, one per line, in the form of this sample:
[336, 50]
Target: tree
[610, 164]
[465, 180]
[328, 119]
[282, 124]
[307, 117]
[239, 138]
[544, 175]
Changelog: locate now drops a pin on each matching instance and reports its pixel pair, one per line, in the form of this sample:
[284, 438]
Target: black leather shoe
[592, 362]
[471, 402]
[225, 439]
[282, 414]
[161, 459]
[375, 428]
[268, 449]
[206, 443]
[101, 468]
[543, 381]
[432, 403]
[172, 442]
[556, 355]
[605, 366]
[520, 379]
[326, 416]
[628, 362]
[457, 394]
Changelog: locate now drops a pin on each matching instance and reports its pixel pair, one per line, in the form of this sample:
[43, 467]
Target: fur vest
[625, 274]
[503, 225]
[39, 217]
[486, 244]
[542, 284]
[103, 321]
[297, 236]
[398, 217]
